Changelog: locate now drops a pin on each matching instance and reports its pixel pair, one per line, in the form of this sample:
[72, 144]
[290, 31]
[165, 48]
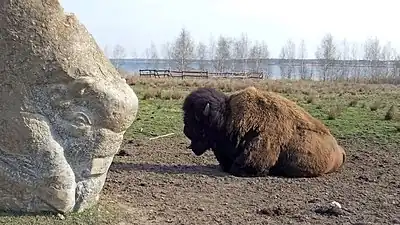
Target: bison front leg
[240, 169]
[256, 159]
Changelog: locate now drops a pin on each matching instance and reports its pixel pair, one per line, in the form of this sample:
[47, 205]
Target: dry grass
[311, 99]
[350, 108]
[335, 112]
[289, 87]
[375, 106]
[392, 113]
[353, 103]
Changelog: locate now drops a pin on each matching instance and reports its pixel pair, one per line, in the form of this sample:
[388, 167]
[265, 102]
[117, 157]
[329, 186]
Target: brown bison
[255, 133]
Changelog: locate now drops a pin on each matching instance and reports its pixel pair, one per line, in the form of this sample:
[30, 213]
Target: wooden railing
[155, 73]
[199, 74]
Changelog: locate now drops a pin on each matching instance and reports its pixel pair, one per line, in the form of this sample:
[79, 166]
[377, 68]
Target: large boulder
[64, 110]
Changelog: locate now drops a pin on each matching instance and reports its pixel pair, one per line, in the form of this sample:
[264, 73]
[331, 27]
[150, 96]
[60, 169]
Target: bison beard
[254, 133]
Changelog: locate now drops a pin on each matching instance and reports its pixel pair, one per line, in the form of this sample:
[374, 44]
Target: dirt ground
[161, 182]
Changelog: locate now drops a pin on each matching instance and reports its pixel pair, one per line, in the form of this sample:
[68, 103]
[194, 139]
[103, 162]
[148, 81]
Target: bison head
[204, 118]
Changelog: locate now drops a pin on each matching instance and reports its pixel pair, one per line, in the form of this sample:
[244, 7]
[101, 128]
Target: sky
[134, 24]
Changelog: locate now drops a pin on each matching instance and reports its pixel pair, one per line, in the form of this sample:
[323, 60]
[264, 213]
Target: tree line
[333, 60]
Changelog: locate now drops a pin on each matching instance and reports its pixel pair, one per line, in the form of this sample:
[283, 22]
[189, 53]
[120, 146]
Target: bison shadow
[208, 170]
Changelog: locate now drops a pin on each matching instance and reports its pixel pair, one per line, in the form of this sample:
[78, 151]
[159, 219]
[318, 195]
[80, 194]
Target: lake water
[272, 66]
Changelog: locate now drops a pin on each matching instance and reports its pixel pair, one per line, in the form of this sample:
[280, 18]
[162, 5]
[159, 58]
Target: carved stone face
[64, 109]
[89, 124]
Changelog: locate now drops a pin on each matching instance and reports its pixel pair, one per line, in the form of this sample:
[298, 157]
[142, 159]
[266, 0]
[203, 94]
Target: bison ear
[206, 110]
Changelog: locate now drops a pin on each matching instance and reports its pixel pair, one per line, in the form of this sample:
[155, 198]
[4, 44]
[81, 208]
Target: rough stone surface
[64, 110]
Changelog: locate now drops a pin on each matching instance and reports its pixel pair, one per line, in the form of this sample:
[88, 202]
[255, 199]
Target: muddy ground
[161, 182]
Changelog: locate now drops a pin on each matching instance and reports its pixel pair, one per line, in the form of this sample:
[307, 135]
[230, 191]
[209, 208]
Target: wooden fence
[155, 73]
[199, 74]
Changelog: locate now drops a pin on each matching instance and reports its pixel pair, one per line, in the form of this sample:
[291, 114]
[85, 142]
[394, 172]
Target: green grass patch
[156, 117]
[98, 214]
[338, 112]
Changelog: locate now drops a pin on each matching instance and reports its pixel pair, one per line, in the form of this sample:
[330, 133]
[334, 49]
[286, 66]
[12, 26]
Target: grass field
[161, 182]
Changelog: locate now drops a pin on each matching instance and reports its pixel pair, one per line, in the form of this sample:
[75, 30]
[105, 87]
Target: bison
[256, 133]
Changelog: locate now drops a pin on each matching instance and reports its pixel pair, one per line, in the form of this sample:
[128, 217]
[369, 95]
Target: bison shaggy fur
[256, 133]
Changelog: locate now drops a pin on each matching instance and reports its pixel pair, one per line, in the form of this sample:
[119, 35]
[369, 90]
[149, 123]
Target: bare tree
[326, 54]
[290, 49]
[282, 63]
[372, 50]
[147, 56]
[183, 50]
[287, 56]
[265, 55]
[212, 46]
[259, 55]
[202, 55]
[396, 68]
[154, 55]
[133, 54]
[241, 52]
[223, 54]
[355, 64]
[106, 51]
[167, 53]
[119, 53]
[388, 54]
[344, 63]
[302, 56]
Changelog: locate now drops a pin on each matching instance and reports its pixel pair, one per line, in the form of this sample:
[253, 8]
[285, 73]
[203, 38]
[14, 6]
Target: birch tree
[183, 50]
[302, 57]
[287, 57]
[223, 54]
[388, 54]
[241, 52]
[154, 55]
[372, 50]
[119, 53]
[259, 55]
[326, 55]
[107, 51]
[167, 53]
[201, 55]
[344, 71]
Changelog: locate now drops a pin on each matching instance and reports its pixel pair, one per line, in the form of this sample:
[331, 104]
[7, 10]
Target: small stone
[60, 216]
[335, 204]
[332, 209]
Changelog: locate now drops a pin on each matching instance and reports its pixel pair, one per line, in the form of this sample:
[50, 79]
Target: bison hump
[268, 113]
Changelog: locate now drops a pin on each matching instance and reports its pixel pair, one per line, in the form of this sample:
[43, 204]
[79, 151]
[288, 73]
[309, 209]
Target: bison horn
[206, 110]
